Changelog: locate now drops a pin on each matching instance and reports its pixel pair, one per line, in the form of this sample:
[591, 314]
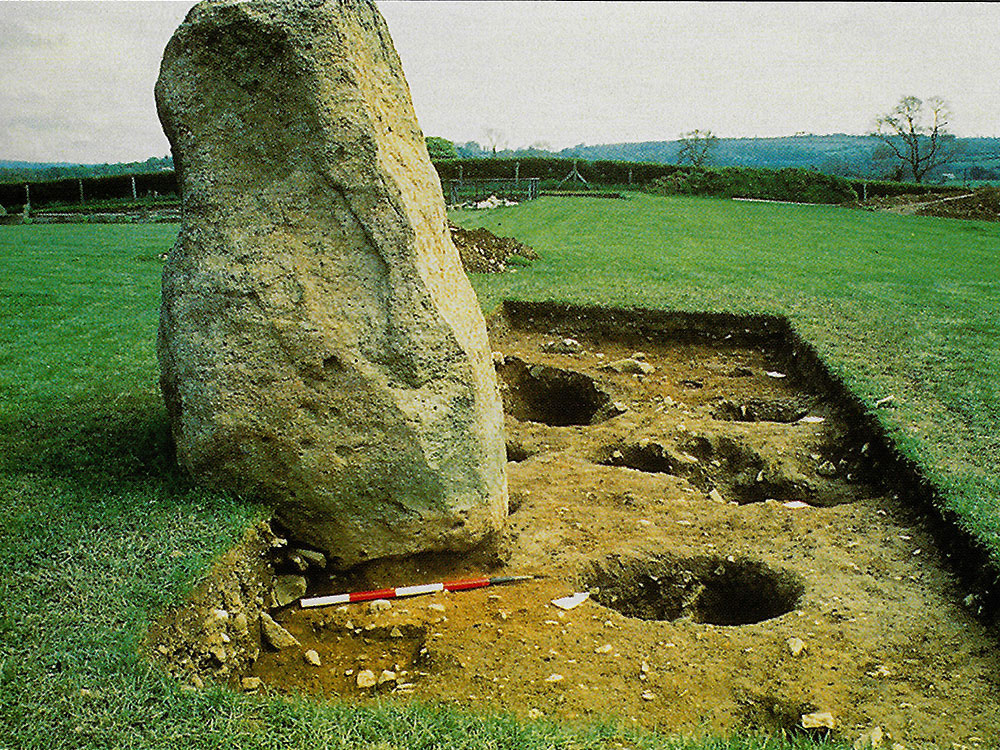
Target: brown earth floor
[742, 570]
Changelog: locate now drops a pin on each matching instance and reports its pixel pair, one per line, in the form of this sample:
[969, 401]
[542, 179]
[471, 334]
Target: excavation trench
[747, 537]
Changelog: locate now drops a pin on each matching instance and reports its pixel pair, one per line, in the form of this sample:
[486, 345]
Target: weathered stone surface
[275, 635]
[320, 346]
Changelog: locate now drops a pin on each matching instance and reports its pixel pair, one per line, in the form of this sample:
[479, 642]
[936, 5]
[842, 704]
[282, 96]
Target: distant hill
[34, 165]
[31, 171]
[838, 154]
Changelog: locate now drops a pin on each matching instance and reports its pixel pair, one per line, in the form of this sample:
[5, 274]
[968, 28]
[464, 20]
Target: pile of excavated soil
[746, 565]
[981, 205]
[483, 252]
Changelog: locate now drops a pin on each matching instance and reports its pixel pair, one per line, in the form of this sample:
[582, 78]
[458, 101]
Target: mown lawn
[101, 532]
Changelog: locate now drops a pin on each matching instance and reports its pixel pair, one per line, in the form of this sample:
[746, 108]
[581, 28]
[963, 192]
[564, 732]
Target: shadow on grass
[96, 445]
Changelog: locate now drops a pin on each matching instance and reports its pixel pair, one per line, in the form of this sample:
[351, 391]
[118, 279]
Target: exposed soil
[484, 252]
[747, 562]
[982, 204]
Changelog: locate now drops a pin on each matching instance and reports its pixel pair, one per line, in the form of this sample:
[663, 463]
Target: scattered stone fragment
[775, 374]
[563, 346]
[827, 469]
[379, 605]
[628, 366]
[555, 677]
[387, 676]
[251, 683]
[716, 496]
[312, 657]
[818, 720]
[288, 589]
[569, 602]
[870, 740]
[812, 419]
[605, 649]
[240, 623]
[396, 632]
[197, 682]
[649, 695]
[795, 646]
[314, 558]
[534, 713]
[366, 679]
[886, 403]
[275, 635]
[435, 607]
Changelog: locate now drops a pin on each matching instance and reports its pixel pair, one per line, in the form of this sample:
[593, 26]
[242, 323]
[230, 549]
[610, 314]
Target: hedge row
[887, 189]
[795, 185]
[12, 195]
[798, 185]
[552, 168]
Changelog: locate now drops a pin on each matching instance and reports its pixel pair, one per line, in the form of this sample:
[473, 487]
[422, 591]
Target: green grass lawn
[101, 532]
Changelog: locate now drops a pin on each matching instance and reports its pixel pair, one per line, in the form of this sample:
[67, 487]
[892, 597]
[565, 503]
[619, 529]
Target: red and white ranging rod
[401, 591]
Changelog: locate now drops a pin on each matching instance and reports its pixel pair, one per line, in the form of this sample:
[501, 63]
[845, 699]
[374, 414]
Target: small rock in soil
[251, 683]
[240, 623]
[827, 469]
[555, 677]
[314, 558]
[287, 589]
[366, 679]
[275, 635]
[387, 676]
[628, 367]
[649, 695]
[563, 346]
[795, 646]
[379, 605]
[312, 657]
[818, 720]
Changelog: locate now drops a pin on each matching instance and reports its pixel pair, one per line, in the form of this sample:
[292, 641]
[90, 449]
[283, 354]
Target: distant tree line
[50, 172]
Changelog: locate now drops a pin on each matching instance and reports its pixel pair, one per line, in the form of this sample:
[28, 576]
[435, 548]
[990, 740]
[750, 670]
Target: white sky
[76, 78]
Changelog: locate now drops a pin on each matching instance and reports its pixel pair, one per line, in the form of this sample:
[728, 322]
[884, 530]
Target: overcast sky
[76, 79]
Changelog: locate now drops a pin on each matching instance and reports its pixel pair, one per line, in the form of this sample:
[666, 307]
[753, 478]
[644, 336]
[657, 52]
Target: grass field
[101, 532]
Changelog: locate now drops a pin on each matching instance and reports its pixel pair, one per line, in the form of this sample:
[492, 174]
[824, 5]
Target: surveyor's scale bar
[403, 591]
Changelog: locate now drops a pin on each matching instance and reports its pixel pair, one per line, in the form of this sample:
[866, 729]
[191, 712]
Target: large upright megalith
[320, 346]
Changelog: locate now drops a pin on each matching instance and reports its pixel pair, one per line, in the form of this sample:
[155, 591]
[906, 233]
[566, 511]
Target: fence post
[630, 177]
[460, 169]
[517, 173]
[79, 182]
[133, 187]
[27, 199]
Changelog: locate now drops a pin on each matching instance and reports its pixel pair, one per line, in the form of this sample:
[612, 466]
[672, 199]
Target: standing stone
[320, 346]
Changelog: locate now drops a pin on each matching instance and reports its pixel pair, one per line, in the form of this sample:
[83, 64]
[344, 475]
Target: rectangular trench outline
[959, 551]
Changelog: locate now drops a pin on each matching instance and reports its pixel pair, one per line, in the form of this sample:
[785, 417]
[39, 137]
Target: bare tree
[915, 134]
[696, 147]
[495, 139]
